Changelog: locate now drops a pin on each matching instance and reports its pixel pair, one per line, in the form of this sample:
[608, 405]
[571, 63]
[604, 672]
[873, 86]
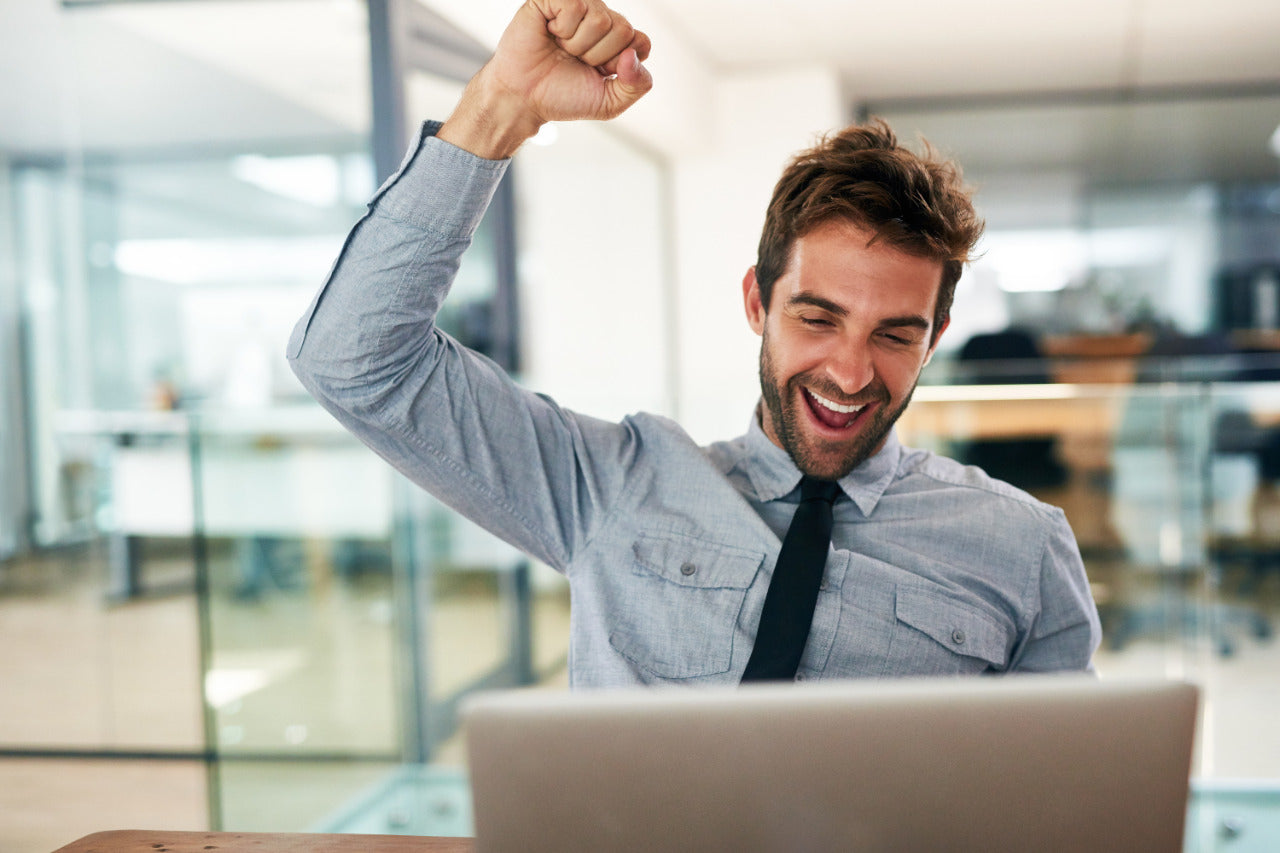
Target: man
[671, 549]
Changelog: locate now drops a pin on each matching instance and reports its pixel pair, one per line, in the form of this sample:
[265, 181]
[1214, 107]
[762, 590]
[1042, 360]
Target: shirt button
[688, 569]
[822, 587]
[799, 676]
[957, 637]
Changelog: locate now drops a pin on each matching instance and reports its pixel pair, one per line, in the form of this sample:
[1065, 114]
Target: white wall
[592, 272]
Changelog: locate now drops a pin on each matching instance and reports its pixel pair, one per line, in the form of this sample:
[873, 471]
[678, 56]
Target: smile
[835, 407]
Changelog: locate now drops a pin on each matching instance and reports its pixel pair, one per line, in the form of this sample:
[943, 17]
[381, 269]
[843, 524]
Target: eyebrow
[817, 302]
[914, 321]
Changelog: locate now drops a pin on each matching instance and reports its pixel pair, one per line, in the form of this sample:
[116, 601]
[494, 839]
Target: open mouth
[833, 415]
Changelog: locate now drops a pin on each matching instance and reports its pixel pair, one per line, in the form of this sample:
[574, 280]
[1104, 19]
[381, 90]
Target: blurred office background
[217, 610]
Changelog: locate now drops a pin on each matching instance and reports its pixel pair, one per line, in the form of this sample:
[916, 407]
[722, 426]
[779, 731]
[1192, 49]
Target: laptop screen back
[1030, 763]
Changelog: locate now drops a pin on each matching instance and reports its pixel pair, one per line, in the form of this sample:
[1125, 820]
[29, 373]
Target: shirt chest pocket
[937, 634]
[676, 610]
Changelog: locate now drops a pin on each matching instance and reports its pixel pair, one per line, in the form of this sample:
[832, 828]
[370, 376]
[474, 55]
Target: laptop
[1044, 763]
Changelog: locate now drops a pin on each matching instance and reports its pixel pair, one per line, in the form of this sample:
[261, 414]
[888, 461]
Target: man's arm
[368, 348]
[1066, 631]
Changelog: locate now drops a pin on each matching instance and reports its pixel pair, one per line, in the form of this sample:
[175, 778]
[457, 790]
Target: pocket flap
[960, 628]
[694, 562]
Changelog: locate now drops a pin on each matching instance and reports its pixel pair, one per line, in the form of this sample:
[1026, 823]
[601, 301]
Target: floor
[301, 680]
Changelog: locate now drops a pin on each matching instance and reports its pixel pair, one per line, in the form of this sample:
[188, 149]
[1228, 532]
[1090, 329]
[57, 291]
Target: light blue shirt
[934, 568]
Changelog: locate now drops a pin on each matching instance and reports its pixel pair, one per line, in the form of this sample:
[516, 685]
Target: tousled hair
[916, 203]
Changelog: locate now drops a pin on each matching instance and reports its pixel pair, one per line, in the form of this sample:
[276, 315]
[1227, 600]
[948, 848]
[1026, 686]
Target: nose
[849, 366]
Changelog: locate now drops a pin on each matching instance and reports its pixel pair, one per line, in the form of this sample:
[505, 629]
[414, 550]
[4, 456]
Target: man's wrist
[488, 122]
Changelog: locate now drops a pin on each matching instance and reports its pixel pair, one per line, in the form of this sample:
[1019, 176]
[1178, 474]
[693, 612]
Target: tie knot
[813, 489]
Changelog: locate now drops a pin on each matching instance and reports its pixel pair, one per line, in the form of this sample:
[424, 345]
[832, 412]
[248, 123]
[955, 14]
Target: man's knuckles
[606, 51]
[594, 29]
[562, 16]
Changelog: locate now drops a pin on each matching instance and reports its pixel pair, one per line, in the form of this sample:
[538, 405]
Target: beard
[823, 458]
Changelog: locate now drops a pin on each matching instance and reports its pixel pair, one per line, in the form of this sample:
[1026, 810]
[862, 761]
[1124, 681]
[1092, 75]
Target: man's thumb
[630, 83]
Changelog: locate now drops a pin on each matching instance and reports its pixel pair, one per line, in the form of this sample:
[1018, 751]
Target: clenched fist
[558, 60]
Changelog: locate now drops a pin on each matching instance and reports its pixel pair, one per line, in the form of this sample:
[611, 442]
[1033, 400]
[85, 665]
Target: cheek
[794, 354]
[899, 371]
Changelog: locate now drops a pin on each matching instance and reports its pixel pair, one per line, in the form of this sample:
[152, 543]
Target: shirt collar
[773, 475]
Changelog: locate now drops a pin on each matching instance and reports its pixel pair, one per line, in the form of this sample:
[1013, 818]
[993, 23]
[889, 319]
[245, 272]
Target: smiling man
[853, 326]
[813, 546]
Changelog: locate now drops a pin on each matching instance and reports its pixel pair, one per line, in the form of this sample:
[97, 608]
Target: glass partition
[164, 233]
[13, 476]
[1168, 486]
[310, 548]
[169, 217]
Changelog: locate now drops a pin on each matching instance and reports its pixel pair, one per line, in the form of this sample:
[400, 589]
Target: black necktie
[793, 590]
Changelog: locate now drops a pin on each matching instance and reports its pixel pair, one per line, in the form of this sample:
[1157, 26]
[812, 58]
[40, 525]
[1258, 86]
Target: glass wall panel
[294, 522]
[171, 202]
[1168, 487]
[13, 475]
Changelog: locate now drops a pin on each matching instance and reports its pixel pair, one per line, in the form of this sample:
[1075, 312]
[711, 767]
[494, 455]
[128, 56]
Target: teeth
[835, 407]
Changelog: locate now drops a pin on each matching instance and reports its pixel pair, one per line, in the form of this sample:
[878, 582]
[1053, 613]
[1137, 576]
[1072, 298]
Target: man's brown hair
[916, 203]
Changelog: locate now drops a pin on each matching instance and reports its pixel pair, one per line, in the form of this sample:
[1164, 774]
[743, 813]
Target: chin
[827, 459]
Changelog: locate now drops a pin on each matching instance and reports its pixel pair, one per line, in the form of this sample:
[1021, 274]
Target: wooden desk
[158, 841]
[1095, 359]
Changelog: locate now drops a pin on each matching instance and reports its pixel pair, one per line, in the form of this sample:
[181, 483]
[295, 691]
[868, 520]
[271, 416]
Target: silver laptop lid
[1031, 763]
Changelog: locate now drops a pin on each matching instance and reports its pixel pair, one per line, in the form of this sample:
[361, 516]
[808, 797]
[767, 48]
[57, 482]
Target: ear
[751, 301]
[928, 357]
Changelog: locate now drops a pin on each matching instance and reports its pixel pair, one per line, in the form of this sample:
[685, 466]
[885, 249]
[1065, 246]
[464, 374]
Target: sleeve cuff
[440, 187]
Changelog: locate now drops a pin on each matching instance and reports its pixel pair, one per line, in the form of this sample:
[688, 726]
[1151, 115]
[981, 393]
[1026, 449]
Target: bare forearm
[488, 122]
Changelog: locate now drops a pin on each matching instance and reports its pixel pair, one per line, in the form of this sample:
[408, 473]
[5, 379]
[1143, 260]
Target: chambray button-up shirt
[934, 568]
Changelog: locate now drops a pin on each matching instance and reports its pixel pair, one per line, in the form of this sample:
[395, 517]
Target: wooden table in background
[156, 841]
[1013, 411]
